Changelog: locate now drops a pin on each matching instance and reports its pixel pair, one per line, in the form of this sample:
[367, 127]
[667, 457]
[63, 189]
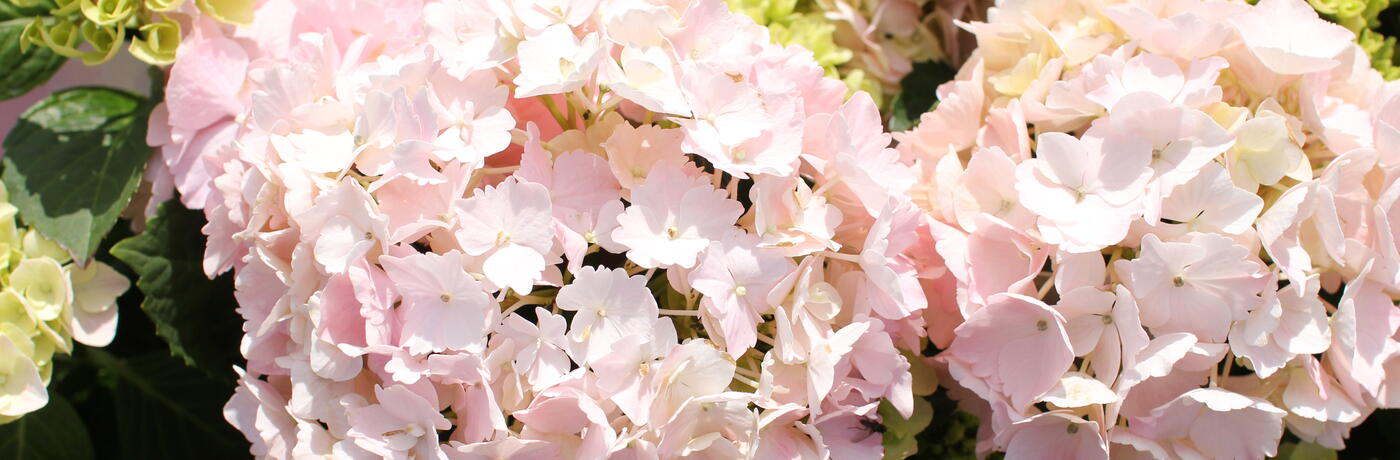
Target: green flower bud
[856, 81]
[814, 33]
[108, 12]
[105, 40]
[158, 43]
[1339, 8]
[32, 34]
[236, 12]
[63, 37]
[65, 7]
[162, 6]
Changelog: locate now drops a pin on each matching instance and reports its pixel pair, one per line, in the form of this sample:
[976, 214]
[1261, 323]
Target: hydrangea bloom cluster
[46, 302]
[540, 228]
[1191, 250]
[95, 30]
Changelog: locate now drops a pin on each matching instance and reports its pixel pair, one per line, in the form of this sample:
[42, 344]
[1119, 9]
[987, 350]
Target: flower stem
[675, 312]
[554, 110]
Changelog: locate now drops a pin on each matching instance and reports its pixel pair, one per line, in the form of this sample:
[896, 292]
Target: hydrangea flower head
[546, 228]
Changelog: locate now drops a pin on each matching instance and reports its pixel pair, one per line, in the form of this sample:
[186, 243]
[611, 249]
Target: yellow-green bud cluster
[791, 22]
[94, 30]
[1363, 18]
[44, 295]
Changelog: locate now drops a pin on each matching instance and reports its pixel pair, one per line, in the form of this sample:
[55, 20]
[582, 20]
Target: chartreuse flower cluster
[46, 302]
[1192, 251]
[869, 44]
[95, 30]
[805, 28]
[548, 229]
[1363, 18]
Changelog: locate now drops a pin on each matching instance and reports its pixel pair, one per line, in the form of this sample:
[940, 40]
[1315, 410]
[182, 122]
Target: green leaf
[1303, 450]
[8, 10]
[165, 409]
[23, 70]
[919, 93]
[73, 161]
[52, 433]
[900, 438]
[195, 315]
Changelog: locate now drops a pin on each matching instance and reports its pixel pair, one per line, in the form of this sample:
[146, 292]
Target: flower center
[1072, 428]
[672, 232]
[412, 430]
[1005, 207]
[445, 297]
[740, 290]
[1178, 281]
[1042, 325]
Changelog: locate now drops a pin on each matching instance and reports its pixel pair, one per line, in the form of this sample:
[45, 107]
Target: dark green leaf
[918, 93]
[167, 410]
[52, 433]
[951, 434]
[8, 10]
[73, 161]
[23, 71]
[194, 314]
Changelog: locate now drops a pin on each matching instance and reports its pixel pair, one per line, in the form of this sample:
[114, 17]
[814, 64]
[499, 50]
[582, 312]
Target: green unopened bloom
[788, 26]
[31, 35]
[816, 34]
[108, 12]
[105, 40]
[1339, 8]
[65, 7]
[163, 6]
[157, 43]
[237, 12]
[1382, 51]
[63, 37]
[857, 81]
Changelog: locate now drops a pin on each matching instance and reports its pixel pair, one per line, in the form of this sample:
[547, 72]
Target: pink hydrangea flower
[673, 218]
[444, 307]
